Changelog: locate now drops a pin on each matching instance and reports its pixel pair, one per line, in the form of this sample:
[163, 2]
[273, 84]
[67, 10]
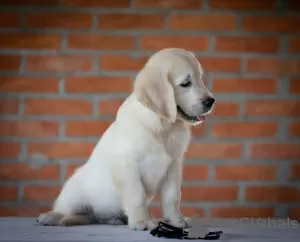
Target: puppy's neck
[132, 111]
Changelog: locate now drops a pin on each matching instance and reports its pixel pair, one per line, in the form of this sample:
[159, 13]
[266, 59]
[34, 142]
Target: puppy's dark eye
[186, 84]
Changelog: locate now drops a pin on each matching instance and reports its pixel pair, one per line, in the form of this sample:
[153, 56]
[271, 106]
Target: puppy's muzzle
[208, 103]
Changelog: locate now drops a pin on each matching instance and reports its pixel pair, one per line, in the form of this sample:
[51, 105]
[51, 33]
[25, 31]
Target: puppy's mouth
[191, 118]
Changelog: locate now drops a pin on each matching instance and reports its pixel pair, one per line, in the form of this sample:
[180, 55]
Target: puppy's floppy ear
[154, 90]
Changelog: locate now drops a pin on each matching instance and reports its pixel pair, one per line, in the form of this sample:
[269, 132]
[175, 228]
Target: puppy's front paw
[180, 222]
[143, 225]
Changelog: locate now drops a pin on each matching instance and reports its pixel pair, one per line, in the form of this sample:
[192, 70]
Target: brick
[9, 106]
[209, 193]
[9, 149]
[220, 64]
[295, 171]
[58, 63]
[294, 86]
[244, 129]
[294, 213]
[9, 20]
[28, 2]
[212, 22]
[195, 172]
[122, 63]
[98, 84]
[245, 172]
[191, 211]
[102, 42]
[71, 168]
[58, 150]
[294, 44]
[22, 211]
[272, 108]
[97, 3]
[247, 44]
[274, 151]
[22, 171]
[38, 193]
[214, 151]
[157, 42]
[166, 4]
[271, 194]
[198, 130]
[273, 66]
[225, 109]
[86, 128]
[29, 41]
[28, 84]
[244, 85]
[155, 212]
[18, 128]
[10, 62]
[242, 212]
[242, 5]
[294, 5]
[283, 24]
[131, 21]
[294, 129]
[8, 193]
[156, 198]
[186, 211]
[58, 20]
[109, 107]
[57, 107]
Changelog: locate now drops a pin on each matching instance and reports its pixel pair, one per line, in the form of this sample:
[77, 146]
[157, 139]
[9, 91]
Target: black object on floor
[168, 231]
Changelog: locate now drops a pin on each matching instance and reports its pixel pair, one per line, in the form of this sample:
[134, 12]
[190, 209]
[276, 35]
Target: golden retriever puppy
[141, 153]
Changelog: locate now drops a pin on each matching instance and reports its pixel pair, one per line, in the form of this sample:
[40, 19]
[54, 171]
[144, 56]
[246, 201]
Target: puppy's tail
[58, 219]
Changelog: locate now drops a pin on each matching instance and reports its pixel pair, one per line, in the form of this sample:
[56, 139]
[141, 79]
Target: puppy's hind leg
[58, 219]
[76, 219]
[121, 219]
[71, 201]
[50, 219]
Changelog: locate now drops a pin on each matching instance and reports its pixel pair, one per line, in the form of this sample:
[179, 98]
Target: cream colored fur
[141, 153]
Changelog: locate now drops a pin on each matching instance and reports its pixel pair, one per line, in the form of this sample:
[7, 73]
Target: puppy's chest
[155, 164]
[176, 142]
[153, 169]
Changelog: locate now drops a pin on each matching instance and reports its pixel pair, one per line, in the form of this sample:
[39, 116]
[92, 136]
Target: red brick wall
[66, 65]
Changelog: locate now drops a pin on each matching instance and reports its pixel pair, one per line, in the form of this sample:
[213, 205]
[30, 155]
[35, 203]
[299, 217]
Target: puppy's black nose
[208, 102]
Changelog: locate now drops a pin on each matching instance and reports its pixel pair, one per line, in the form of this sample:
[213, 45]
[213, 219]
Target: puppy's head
[171, 85]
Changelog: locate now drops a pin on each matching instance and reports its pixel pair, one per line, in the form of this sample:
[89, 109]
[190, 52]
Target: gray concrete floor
[25, 229]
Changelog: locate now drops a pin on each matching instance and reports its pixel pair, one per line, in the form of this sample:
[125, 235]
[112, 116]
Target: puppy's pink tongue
[201, 118]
